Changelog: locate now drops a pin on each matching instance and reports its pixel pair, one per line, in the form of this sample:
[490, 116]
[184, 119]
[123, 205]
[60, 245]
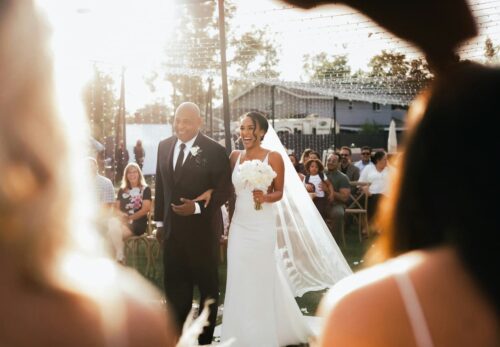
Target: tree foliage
[322, 66]
[154, 113]
[254, 54]
[389, 64]
[196, 49]
[490, 51]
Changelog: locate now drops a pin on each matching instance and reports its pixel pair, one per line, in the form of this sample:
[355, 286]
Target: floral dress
[131, 202]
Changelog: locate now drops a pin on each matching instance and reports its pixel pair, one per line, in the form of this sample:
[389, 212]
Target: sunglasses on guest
[365, 153]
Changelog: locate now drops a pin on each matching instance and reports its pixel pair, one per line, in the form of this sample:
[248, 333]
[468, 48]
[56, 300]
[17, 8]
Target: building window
[375, 106]
[350, 105]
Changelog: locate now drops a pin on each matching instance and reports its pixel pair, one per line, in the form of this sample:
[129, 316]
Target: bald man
[189, 164]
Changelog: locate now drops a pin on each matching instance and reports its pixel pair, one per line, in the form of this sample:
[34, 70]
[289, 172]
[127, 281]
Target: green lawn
[353, 251]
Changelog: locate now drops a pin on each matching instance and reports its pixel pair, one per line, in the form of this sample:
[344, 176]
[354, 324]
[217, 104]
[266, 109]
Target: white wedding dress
[259, 308]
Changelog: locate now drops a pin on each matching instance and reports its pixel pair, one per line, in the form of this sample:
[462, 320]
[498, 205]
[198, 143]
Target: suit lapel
[170, 155]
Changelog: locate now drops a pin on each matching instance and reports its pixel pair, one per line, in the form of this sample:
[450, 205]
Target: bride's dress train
[259, 308]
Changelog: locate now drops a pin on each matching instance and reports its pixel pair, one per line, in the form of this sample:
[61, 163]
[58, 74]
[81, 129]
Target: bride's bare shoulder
[234, 156]
[275, 157]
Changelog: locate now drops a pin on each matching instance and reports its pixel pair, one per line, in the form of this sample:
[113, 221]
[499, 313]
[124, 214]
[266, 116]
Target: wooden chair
[358, 206]
[148, 242]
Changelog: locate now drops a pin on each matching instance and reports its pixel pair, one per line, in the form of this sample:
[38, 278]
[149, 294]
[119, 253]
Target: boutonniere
[196, 153]
[195, 150]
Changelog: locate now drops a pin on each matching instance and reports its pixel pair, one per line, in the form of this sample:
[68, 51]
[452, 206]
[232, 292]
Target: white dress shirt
[177, 149]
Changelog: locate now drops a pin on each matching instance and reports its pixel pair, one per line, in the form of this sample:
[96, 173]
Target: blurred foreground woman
[55, 290]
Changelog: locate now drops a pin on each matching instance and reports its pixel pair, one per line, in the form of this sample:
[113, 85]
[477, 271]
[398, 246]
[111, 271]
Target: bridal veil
[310, 256]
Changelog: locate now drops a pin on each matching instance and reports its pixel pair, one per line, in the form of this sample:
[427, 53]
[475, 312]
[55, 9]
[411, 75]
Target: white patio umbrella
[392, 140]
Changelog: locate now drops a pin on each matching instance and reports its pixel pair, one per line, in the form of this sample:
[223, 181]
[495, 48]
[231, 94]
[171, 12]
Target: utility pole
[335, 122]
[223, 62]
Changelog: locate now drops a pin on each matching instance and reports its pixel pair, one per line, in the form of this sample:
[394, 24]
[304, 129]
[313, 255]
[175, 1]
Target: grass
[353, 252]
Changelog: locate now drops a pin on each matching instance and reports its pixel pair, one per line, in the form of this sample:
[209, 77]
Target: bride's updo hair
[257, 118]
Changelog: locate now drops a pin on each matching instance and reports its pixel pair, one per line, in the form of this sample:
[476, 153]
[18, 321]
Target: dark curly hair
[257, 118]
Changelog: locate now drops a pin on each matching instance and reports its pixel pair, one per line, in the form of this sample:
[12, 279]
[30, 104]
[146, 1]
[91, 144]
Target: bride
[272, 254]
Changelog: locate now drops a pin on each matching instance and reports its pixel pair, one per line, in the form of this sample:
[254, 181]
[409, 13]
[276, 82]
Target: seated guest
[341, 191]
[322, 187]
[365, 160]
[303, 159]
[58, 287]
[346, 166]
[378, 175]
[134, 202]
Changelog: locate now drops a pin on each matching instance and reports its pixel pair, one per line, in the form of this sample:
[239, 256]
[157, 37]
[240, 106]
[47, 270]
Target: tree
[194, 48]
[101, 104]
[321, 66]
[254, 54]
[419, 70]
[490, 51]
[155, 113]
[195, 51]
[371, 128]
[389, 64]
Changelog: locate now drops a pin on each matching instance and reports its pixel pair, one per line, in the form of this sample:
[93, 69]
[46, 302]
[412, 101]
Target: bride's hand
[205, 196]
[259, 196]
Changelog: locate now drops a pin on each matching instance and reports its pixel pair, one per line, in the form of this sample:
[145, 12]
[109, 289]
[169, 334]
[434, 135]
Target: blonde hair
[125, 182]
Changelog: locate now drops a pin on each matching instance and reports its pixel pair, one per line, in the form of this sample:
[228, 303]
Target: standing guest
[139, 153]
[134, 202]
[189, 165]
[322, 187]
[58, 287]
[378, 175]
[341, 190]
[346, 166]
[365, 158]
[121, 160]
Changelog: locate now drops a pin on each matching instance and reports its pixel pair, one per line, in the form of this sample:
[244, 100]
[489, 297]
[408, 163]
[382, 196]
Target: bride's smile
[250, 133]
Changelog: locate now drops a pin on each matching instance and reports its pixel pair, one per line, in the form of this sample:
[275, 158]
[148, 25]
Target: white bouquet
[256, 175]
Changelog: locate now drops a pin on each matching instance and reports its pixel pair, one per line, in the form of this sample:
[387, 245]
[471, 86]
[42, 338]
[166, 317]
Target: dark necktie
[180, 159]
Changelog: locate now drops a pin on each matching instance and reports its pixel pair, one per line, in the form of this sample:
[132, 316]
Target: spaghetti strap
[414, 310]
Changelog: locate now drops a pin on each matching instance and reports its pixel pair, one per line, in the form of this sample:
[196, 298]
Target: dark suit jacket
[210, 168]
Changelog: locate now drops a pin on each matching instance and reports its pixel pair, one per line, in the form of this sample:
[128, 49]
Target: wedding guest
[365, 158]
[340, 192]
[303, 159]
[103, 185]
[322, 186]
[346, 166]
[121, 160]
[139, 153]
[314, 155]
[57, 288]
[438, 290]
[378, 175]
[295, 161]
[134, 202]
